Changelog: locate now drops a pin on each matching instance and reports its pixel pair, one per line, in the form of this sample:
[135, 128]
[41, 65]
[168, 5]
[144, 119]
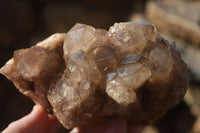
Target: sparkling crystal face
[87, 74]
[131, 37]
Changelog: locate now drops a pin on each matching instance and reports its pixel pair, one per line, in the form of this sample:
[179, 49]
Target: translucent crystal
[158, 63]
[71, 94]
[134, 75]
[133, 58]
[32, 62]
[112, 75]
[29, 72]
[83, 66]
[173, 44]
[80, 37]
[141, 22]
[88, 74]
[83, 37]
[131, 37]
[128, 70]
[106, 57]
[120, 93]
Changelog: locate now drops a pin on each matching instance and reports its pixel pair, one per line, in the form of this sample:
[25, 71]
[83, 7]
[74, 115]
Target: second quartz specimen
[89, 74]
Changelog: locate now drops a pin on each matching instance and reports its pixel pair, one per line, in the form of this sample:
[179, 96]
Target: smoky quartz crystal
[88, 74]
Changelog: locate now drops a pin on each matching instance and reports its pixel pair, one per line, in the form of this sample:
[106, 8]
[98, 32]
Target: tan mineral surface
[177, 17]
[90, 74]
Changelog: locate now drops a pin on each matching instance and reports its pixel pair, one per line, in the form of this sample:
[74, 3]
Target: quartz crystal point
[131, 37]
[90, 74]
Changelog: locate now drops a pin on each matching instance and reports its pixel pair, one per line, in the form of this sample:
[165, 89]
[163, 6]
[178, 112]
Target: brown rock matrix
[90, 74]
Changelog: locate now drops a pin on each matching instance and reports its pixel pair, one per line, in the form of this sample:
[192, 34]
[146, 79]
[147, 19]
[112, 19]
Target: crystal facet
[87, 74]
[131, 37]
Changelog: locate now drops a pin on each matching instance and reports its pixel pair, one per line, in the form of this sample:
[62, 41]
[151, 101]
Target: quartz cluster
[89, 74]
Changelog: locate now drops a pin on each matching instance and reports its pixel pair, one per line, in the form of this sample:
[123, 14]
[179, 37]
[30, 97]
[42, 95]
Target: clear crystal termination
[90, 74]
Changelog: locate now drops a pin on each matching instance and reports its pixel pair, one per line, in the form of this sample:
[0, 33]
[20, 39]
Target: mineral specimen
[88, 74]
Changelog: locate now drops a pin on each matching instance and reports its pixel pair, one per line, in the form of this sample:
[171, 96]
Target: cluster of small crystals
[127, 72]
[90, 74]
